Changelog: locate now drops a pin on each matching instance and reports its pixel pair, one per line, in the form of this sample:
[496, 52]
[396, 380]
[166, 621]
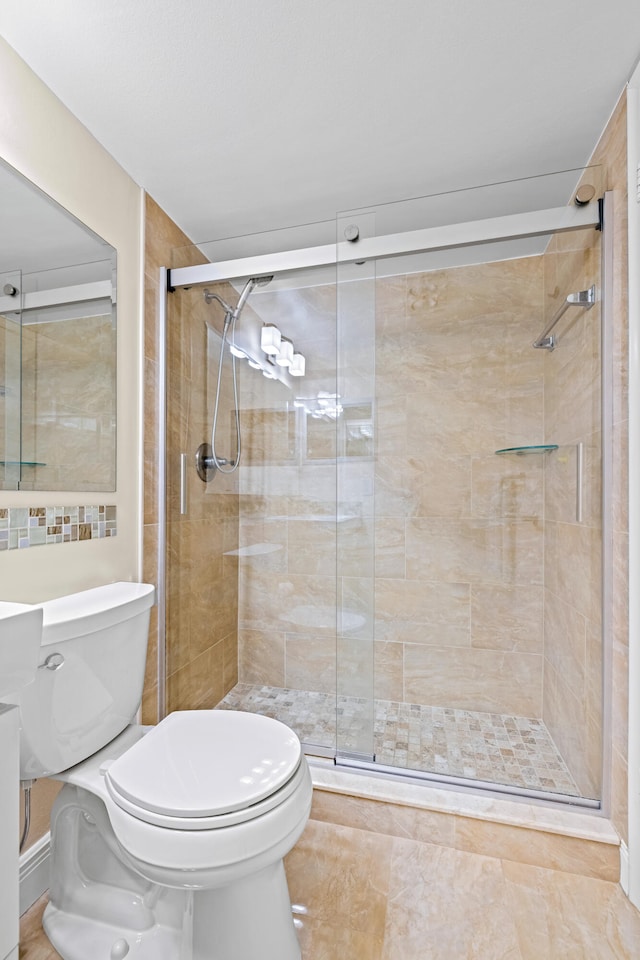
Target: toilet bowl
[167, 842]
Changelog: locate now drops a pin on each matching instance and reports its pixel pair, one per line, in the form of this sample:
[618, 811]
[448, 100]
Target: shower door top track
[534, 223]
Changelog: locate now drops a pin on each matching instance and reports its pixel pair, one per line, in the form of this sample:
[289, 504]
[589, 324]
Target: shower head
[249, 287]
[234, 312]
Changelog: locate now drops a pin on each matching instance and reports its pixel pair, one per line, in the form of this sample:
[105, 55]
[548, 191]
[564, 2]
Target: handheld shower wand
[207, 460]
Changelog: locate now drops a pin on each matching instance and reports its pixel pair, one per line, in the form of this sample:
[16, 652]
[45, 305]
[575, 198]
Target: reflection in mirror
[57, 346]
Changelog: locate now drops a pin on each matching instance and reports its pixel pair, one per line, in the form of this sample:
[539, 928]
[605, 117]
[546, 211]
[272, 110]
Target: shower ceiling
[239, 116]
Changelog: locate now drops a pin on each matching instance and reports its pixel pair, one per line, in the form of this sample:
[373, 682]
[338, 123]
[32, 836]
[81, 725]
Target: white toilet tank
[90, 676]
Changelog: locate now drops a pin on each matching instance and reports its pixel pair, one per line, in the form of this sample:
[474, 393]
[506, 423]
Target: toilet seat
[203, 769]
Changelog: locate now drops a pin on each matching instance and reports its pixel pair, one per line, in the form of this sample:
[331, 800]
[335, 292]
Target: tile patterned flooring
[368, 896]
[517, 751]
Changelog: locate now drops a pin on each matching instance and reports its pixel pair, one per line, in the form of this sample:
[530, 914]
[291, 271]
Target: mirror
[57, 346]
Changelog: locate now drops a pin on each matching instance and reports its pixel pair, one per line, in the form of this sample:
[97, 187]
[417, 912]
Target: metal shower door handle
[579, 479]
[183, 484]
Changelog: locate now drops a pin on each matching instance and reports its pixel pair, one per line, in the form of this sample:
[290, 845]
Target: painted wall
[46, 144]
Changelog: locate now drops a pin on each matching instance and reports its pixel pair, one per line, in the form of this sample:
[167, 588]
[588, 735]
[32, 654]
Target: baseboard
[34, 872]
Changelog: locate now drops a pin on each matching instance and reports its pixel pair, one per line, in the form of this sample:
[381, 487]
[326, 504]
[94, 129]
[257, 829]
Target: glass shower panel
[251, 596]
[488, 518]
[287, 586]
[10, 379]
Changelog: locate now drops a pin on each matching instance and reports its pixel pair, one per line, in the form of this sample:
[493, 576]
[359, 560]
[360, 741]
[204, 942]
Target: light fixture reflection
[270, 339]
[285, 354]
[297, 365]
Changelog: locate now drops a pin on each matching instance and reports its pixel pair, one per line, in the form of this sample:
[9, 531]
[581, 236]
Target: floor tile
[517, 751]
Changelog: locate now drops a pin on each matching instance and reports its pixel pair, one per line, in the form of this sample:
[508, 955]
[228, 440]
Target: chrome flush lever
[53, 662]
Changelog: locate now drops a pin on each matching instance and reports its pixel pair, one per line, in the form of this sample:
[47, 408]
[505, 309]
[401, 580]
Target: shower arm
[584, 298]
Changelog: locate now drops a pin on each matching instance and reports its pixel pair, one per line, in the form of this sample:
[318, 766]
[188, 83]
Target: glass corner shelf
[21, 463]
[535, 448]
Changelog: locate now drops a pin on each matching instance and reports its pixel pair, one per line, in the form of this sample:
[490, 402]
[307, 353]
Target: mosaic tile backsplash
[22, 527]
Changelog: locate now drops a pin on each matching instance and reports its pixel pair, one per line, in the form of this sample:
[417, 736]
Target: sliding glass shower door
[481, 495]
[407, 567]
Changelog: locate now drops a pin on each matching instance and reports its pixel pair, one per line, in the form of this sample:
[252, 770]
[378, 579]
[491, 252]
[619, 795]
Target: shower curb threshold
[588, 825]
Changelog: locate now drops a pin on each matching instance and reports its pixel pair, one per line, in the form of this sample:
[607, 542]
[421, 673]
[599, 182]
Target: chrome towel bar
[584, 298]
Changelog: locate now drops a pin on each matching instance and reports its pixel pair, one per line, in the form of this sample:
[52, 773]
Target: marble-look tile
[431, 605]
[355, 545]
[444, 903]
[310, 663]
[390, 819]
[565, 642]
[580, 577]
[507, 617]
[568, 720]
[389, 547]
[561, 916]
[312, 546]
[262, 544]
[437, 486]
[261, 657]
[344, 881]
[357, 893]
[294, 603]
[506, 486]
[475, 551]
[471, 679]
[388, 669]
[321, 940]
[587, 858]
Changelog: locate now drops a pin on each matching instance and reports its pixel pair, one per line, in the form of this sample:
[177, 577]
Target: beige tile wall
[611, 152]
[201, 644]
[202, 582]
[573, 550]
[458, 531]
[466, 524]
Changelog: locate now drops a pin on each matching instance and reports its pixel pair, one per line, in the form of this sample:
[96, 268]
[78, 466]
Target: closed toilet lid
[202, 763]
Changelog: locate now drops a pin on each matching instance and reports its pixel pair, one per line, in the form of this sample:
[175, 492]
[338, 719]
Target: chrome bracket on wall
[205, 464]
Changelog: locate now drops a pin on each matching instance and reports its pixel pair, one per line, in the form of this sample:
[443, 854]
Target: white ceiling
[239, 116]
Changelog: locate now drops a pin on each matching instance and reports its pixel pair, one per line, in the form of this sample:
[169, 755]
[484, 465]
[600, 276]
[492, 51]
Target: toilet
[167, 842]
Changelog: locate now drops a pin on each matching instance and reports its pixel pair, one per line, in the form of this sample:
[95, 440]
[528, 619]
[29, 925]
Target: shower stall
[409, 564]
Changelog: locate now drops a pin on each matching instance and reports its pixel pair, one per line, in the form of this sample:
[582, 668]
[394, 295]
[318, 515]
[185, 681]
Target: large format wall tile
[470, 679]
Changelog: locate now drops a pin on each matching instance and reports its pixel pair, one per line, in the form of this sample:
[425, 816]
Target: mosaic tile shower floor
[517, 751]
